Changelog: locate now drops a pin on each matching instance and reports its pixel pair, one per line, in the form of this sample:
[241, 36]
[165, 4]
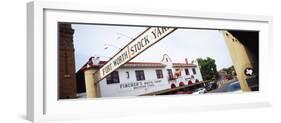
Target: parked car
[234, 87]
[209, 87]
[214, 85]
[199, 91]
[184, 92]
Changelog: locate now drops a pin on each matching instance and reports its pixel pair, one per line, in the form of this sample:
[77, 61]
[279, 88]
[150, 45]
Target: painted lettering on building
[139, 85]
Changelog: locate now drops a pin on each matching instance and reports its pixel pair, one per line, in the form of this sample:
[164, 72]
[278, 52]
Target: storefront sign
[139, 85]
[148, 38]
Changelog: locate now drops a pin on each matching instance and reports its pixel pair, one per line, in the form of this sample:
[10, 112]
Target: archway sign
[139, 44]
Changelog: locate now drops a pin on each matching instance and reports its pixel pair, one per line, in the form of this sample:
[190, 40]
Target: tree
[208, 68]
[230, 72]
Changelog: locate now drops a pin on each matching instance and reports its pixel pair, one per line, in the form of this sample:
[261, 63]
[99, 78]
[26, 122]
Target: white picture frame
[42, 103]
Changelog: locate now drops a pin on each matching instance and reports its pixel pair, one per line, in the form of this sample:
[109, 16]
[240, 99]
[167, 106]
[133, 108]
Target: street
[228, 87]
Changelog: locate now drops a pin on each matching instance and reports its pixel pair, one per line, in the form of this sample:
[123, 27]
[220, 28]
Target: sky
[91, 40]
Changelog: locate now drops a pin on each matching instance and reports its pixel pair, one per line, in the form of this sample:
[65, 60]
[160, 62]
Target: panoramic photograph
[106, 60]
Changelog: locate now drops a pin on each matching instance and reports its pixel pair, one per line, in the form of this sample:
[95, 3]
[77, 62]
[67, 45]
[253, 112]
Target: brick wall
[67, 78]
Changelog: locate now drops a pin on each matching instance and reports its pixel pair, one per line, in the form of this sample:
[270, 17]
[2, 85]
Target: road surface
[229, 87]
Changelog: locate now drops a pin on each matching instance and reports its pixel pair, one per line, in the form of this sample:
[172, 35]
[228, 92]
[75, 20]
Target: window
[178, 72]
[113, 78]
[127, 75]
[170, 73]
[193, 70]
[159, 74]
[140, 75]
[186, 72]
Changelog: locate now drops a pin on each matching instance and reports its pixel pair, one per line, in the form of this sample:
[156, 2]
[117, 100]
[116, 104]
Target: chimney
[90, 62]
[186, 61]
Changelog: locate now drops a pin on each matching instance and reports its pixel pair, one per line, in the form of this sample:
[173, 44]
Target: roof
[140, 65]
[183, 65]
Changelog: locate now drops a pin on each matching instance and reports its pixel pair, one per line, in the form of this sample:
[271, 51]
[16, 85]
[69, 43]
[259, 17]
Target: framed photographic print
[97, 61]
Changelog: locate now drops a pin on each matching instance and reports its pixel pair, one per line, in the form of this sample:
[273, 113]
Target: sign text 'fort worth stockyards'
[149, 37]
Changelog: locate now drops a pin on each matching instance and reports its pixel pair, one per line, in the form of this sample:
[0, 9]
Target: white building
[139, 78]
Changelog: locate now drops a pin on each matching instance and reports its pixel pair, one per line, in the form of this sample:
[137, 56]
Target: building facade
[140, 78]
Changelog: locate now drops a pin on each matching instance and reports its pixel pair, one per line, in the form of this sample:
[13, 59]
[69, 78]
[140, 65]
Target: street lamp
[121, 34]
[101, 56]
[106, 46]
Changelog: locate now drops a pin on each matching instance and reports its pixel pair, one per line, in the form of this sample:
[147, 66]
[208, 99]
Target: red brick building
[66, 63]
